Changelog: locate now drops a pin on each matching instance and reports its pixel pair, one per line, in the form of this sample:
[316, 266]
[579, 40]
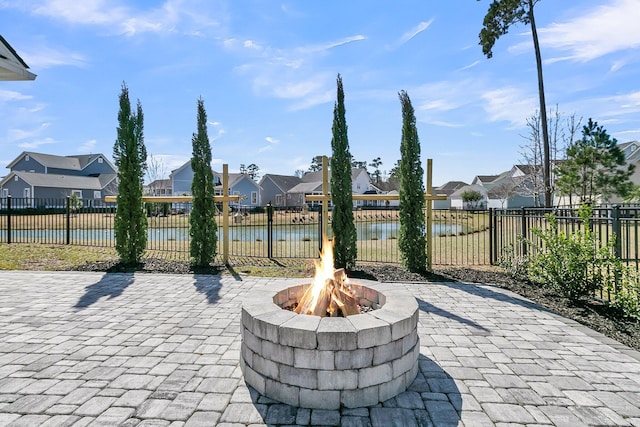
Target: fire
[329, 293]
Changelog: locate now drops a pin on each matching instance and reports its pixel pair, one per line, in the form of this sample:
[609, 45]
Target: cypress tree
[411, 238]
[342, 224]
[130, 156]
[202, 220]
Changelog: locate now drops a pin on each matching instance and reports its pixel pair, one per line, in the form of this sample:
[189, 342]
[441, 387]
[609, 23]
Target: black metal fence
[617, 225]
[460, 237]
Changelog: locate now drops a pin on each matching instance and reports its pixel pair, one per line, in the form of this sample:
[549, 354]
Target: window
[27, 158]
[97, 195]
[26, 193]
[254, 197]
[15, 178]
[5, 192]
[78, 193]
[278, 199]
[100, 160]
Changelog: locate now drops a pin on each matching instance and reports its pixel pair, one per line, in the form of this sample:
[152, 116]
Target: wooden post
[325, 197]
[429, 213]
[225, 214]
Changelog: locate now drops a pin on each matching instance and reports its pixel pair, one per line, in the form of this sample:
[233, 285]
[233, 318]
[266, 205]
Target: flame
[329, 293]
[324, 270]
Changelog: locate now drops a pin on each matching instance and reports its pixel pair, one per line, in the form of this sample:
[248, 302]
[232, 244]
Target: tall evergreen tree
[204, 230]
[130, 157]
[501, 15]
[411, 238]
[342, 223]
[595, 167]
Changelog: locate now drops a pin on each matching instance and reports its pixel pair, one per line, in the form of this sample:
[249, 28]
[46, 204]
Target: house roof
[283, 182]
[317, 176]
[485, 178]
[12, 67]
[70, 182]
[76, 162]
[307, 187]
[449, 187]
[473, 187]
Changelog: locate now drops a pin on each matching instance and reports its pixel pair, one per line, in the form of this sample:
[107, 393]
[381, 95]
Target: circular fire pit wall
[329, 362]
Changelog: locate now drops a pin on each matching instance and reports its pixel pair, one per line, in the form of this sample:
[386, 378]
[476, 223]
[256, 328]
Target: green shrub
[573, 265]
[625, 294]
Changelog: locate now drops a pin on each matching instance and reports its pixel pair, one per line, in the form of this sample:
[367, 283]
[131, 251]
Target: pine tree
[204, 230]
[501, 15]
[342, 223]
[595, 167]
[411, 238]
[130, 156]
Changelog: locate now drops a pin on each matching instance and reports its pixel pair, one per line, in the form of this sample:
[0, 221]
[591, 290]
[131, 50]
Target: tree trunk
[543, 112]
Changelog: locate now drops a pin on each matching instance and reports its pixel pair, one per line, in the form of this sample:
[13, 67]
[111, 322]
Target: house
[312, 184]
[239, 184]
[275, 190]
[518, 187]
[458, 203]
[158, 187]
[39, 176]
[631, 152]
[446, 189]
[12, 67]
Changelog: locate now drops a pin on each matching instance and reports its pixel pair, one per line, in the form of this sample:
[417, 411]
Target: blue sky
[267, 73]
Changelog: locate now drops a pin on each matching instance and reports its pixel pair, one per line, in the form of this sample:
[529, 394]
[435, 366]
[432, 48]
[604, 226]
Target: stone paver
[95, 349]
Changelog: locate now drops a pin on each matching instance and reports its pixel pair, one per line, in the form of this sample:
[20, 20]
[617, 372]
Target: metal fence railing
[460, 237]
[617, 225]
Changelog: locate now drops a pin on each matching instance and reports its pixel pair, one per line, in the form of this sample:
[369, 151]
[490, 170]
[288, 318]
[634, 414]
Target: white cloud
[330, 45]
[510, 104]
[466, 67]
[120, 18]
[20, 134]
[413, 32]
[11, 95]
[265, 148]
[36, 143]
[48, 57]
[609, 28]
[88, 146]
[271, 140]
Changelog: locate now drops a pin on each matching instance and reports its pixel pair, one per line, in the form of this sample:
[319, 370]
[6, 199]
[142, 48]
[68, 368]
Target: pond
[248, 233]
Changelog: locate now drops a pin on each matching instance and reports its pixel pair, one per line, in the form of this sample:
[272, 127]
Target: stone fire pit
[329, 362]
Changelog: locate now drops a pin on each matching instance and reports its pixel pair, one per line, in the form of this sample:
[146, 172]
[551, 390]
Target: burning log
[334, 298]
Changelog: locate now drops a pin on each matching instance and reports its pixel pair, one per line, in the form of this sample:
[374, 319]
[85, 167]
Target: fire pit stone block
[329, 362]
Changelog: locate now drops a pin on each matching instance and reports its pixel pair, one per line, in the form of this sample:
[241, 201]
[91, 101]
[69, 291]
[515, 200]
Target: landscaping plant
[345, 238]
[203, 228]
[412, 240]
[574, 265]
[130, 156]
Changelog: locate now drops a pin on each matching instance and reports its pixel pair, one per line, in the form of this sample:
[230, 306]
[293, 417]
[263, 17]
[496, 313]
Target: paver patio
[159, 350]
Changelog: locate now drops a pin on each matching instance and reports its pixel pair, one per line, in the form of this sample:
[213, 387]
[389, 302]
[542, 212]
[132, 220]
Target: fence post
[269, 230]
[320, 230]
[68, 225]
[524, 230]
[616, 227]
[8, 219]
[491, 249]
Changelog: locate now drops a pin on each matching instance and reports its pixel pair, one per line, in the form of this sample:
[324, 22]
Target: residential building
[39, 176]
[239, 184]
[446, 189]
[275, 190]
[312, 185]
